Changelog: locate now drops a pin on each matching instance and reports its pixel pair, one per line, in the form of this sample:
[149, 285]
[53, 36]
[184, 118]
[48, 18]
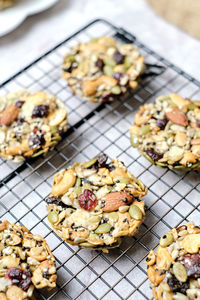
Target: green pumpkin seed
[135, 212]
[53, 129]
[127, 62]
[86, 244]
[89, 163]
[161, 165]
[38, 153]
[103, 228]
[56, 138]
[134, 141]
[78, 181]
[109, 61]
[110, 188]
[192, 106]
[116, 90]
[144, 130]
[122, 179]
[94, 219]
[179, 272]
[166, 240]
[141, 185]
[147, 157]
[163, 98]
[113, 216]
[2, 273]
[78, 190]
[93, 235]
[94, 40]
[52, 217]
[180, 167]
[108, 70]
[197, 134]
[71, 58]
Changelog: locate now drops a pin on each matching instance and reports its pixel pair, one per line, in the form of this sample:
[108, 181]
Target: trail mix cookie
[167, 132]
[5, 3]
[174, 271]
[103, 69]
[31, 123]
[93, 203]
[26, 263]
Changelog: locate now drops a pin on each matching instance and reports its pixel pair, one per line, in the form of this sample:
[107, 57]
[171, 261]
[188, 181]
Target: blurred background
[39, 32]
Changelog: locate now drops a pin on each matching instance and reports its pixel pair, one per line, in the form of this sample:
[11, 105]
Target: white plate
[12, 17]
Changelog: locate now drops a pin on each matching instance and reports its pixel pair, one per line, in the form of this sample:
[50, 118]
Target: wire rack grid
[173, 197]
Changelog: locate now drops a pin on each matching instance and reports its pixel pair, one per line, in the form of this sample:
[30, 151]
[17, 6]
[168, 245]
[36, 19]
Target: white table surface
[42, 31]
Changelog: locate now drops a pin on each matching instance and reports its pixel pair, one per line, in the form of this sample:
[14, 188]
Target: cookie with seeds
[174, 271]
[167, 132]
[102, 69]
[31, 123]
[26, 263]
[94, 203]
[5, 3]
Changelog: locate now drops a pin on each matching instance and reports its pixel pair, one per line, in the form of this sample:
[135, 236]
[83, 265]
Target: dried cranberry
[36, 139]
[177, 286]
[55, 200]
[118, 57]
[100, 64]
[102, 159]
[192, 265]
[40, 111]
[19, 277]
[109, 98]
[118, 76]
[19, 103]
[154, 155]
[198, 123]
[87, 200]
[161, 123]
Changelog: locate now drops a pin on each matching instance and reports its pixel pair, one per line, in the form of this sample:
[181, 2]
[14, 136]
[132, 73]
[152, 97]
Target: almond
[176, 116]
[9, 115]
[113, 201]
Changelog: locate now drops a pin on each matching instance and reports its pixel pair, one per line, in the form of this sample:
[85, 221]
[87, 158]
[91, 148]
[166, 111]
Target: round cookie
[93, 203]
[31, 123]
[167, 132]
[26, 263]
[174, 271]
[102, 69]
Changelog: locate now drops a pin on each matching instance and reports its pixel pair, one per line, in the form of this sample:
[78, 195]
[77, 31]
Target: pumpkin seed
[122, 179]
[38, 153]
[87, 186]
[86, 244]
[109, 61]
[108, 70]
[163, 98]
[144, 130]
[123, 208]
[110, 188]
[52, 216]
[78, 181]
[166, 240]
[94, 219]
[197, 134]
[179, 272]
[134, 141]
[161, 165]
[127, 62]
[141, 185]
[192, 106]
[89, 163]
[135, 212]
[78, 190]
[147, 157]
[113, 216]
[2, 273]
[71, 58]
[53, 129]
[103, 228]
[179, 167]
[116, 90]
[93, 235]
[94, 40]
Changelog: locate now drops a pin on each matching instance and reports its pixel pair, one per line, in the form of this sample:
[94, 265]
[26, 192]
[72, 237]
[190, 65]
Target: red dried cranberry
[36, 139]
[109, 98]
[100, 64]
[118, 76]
[19, 103]
[192, 265]
[161, 123]
[198, 123]
[40, 111]
[19, 277]
[87, 200]
[177, 286]
[154, 155]
[118, 57]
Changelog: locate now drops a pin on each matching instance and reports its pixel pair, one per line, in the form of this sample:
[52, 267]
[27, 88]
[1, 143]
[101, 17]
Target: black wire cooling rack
[173, 196]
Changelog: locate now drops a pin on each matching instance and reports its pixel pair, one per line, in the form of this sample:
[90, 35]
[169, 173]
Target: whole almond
[9, 115]
[176, 116]
[112, 201]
